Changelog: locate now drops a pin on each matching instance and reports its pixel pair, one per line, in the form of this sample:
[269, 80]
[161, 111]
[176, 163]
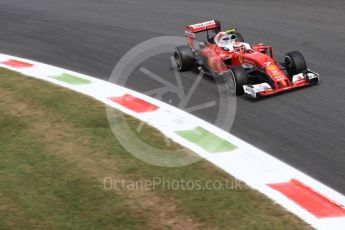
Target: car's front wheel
[237, 79]
[295, 63]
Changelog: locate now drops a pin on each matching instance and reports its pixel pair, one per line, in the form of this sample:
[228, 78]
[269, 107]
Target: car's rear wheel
[295, 63]
[237, 79]
[184, 58]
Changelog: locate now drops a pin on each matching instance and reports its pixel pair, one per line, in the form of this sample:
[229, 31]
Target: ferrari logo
[240, 59]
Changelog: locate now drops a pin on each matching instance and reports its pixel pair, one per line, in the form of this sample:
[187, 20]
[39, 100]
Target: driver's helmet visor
[229, 37]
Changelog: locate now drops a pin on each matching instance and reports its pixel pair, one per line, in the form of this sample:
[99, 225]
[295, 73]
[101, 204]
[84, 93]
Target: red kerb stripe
[135, 104]
[314, 202]
[17, 64]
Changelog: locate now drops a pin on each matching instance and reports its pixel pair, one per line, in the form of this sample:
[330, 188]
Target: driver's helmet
[224, 38]
[219, 36]
[239, 47]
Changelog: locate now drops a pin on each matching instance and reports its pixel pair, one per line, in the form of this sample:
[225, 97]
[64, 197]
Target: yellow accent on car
[230, 31]
[271, 67]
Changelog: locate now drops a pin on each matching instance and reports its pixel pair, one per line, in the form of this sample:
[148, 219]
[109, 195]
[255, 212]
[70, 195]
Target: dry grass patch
[56, 149]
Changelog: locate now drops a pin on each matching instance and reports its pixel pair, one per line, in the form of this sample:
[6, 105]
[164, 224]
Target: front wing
[298, 80]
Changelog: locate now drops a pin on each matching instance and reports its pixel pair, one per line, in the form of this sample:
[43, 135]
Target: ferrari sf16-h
[249, 69]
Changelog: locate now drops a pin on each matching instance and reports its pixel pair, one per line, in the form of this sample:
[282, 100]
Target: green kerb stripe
[207, 140]
[70, 79]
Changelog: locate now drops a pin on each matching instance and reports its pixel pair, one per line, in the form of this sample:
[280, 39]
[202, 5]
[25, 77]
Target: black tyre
[239, 37]
[184, 58]
[295, 63]
[238, 79]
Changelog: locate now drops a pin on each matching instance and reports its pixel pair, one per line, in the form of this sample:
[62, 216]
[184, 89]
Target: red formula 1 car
[249, 69]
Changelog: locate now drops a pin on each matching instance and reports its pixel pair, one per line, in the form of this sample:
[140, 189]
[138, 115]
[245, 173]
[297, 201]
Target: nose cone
[274, 71]
[282, 83]
[277, 75]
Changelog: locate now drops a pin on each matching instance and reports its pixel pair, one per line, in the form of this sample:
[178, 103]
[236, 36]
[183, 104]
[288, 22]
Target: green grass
[56, 148]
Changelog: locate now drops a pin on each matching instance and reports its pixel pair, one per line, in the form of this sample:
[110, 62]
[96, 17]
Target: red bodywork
[260, 56]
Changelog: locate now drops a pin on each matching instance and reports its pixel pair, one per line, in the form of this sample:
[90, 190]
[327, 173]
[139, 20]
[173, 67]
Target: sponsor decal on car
[203, 24]
[272, 68]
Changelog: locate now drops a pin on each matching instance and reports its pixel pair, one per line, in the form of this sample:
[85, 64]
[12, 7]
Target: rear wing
[192, 30]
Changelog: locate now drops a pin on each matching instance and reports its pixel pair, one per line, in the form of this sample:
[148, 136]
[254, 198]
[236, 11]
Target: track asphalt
[304, 128]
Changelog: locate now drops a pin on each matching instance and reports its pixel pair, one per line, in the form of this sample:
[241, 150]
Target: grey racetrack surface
[304, 128]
